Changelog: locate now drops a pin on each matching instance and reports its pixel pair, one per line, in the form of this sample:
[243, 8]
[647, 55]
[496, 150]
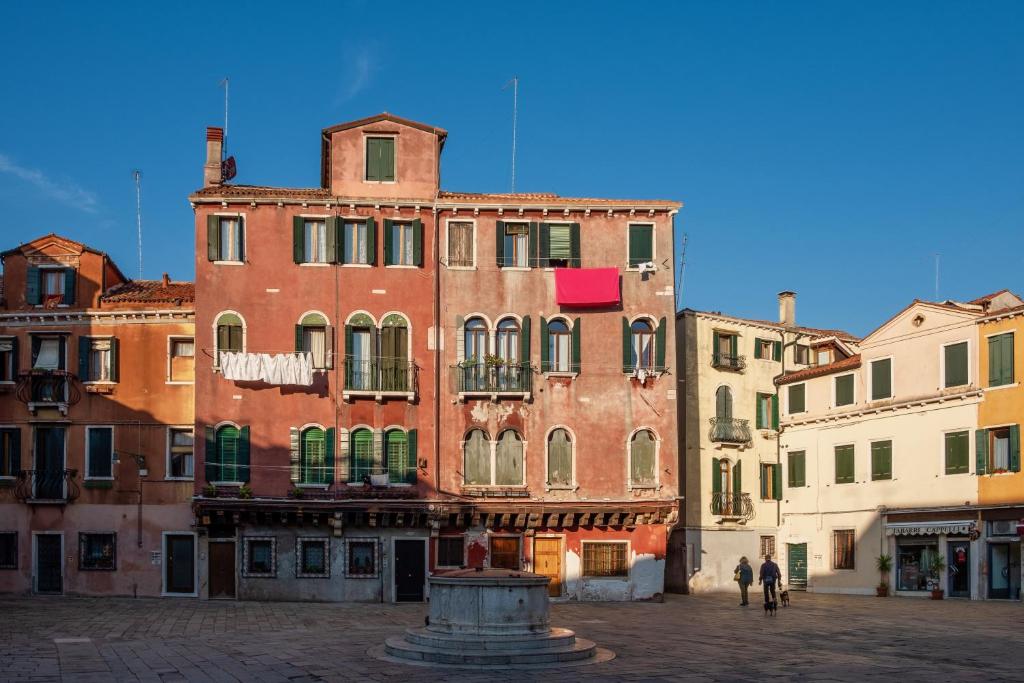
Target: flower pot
[882, 591]
[937, 593]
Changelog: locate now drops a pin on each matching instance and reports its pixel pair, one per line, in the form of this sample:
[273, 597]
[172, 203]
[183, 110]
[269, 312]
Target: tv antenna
[514, 82]
[224, 148]
[137, 175]
[682, 270]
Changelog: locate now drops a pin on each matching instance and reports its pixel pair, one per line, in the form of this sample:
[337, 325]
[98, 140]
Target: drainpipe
[437, 347]
[778, 401]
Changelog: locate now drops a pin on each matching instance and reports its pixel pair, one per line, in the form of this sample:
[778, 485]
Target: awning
[587, 287]
[928, 528]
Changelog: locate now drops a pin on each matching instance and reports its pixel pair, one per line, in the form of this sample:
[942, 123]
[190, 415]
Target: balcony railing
[732, 505]
[725, 361]
[48, 389]
[481, 378]
[729, 430]
[46, 486]
[380, 375]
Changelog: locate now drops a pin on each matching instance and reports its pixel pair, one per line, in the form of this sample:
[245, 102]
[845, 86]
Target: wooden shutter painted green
[1015, 448]
[33, 286]
[396, 455]
[981, 451]
[764, 481]
[716, 478]
[14, 456]
[298, 239]
[659, 344]
[84, 347]
[641, 244]
[412, 462]
[881, 380]
[797, 396]
[545, 246]
[881, 460]
[387, 159]
[335, 239]
[715, 353]
[776, 481]
[757, 348]
[775, 412]
[575, 260]
[524, 341]
[627, 346]
[844, 390]
[844, 464]
[1000, 359]
[115, 360]
[797, 462]
[389, 239]
[70, 279]
[777, 351]
[241, 238]
[532, 243]
[957, 453]
[362, 454]
[737, 478]
[243, 454]
[213, 238]
[211, 456]
[545, 346]
[372, 159]
[298, 339]
[499, 243]
[417, 242]
[956, 364]
[576, 344]
[371, 241]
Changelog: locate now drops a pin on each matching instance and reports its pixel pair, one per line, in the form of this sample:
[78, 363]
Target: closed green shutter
[33, 286]
[396, 455]
[659, 344]
[1000, 360]
[211, 456]
[412, 463]
[775, 412]
[981, 451]
[70, 279]
[957, 453]
[881, 460]
[797, 403]
[115, 360]
[371, 241]
[627, 346]
[844, 390]
[298, 239]
[334, 239]
[389, 240]
[499, 243]
[544, 256]
[576, 345]
[330, 443]
[796, 461]
[956, 364]
[84, 347]
[777, 482]
[387, 159]
[362, 455]
[1015, 448]
[524, 342]
[575, 258]
[737, 478]
[545, 346]
[844, 464]
[881, 380]
[372, 159]
[641, 244]
[417, 242]
[243, 454]
[777, 351]
[213, 238]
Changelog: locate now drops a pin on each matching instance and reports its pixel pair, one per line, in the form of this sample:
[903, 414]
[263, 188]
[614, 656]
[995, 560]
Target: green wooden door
[797, 561]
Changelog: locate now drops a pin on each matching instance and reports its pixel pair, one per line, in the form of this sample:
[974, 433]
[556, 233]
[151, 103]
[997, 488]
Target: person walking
[744, 577]
[770, 575]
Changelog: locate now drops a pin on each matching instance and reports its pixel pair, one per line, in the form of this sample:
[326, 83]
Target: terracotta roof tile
[820, 370]
[150, 291]
[262, 191]
[547, 198]
[812, 331]
[988, 297]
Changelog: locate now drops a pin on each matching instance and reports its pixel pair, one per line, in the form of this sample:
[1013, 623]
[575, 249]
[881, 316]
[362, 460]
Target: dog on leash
[784, 597]
[770, 607]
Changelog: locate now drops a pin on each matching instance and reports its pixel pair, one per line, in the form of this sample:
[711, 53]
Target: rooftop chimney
[214, 155]
[167, 281]
[787, 309]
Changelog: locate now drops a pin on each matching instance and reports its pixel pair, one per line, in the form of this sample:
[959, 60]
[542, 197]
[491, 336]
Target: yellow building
[997, 449]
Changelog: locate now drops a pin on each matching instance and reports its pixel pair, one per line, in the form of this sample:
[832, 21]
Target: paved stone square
[820, 637]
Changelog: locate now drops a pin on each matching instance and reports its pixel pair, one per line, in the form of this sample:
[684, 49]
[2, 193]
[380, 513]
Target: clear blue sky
[829, 148]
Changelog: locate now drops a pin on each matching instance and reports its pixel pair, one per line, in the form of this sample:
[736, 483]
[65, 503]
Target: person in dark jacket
[744, 577]
[769, 576]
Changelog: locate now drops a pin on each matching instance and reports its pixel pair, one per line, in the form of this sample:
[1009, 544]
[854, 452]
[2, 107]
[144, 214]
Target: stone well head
[489, 602]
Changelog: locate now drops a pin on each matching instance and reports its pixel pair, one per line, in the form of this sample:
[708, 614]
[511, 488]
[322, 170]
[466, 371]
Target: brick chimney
[787, 309]
[166, 281]
[214, 154]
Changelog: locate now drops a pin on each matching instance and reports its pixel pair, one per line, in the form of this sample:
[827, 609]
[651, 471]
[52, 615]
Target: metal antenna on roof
[137, 175]
[224, 148]
[682, 271]
[515, 123]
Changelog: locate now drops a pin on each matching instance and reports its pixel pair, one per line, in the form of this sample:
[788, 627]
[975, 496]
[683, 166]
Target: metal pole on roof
[137, 175]
[224, 147]
[515, 123]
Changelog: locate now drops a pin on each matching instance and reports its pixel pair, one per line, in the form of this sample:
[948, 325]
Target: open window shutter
[293, 453]
[545, 246]
[980, 451]
[994, 361]
[62, 352]
[737, 478]
[715, 347]
[212, 238]
[417, 242]
[84, 345]
[379, 462]
[298, 339]
[243, 454]
[659, 345]
[533, 243]
[716, 479]
[777, 351]
[329, 346]
[70, 279]
[764, 482]
[627, 346]
[1015, 448]
[15, 454]
[14, 356]
[332, 239]
[371, 241]
[576, 345]
[343, 460]
[460, 339]
[758, 413]
[33, 290]
[775, 412]
[115, 360]
[36, 341]
[389, 248]
[757, 348]
[734, 341]
[524, 342]
[211, 457]
[545, 347]
[241, 237]
[411, 464]
[331, 436]
[574, 245]
[499, 243]
[298, 236]
[777, 482]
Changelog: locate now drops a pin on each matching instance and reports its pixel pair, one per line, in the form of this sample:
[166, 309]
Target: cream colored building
[879, 457]
[729, 418]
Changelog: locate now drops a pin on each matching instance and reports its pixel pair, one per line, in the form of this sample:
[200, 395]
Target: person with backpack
[744, 577]
[770, 575]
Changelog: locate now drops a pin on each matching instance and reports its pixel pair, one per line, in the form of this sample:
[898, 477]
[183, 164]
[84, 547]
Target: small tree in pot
[937, 566]
[884, 565]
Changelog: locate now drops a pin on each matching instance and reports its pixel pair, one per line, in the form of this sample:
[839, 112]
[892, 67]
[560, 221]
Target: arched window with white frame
[643, 455]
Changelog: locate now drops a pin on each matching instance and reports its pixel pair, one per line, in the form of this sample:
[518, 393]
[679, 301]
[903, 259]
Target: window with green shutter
[797, 403]
[641, 244]
[844, 390]
[380, 159]
[1000, 359]
[797, 465]
[844, 464]
[881, 379]
[403, 243]
[229, 335]
[771, 481]
[313, 457]
[361, 448]
[225, 238]
[958, 452]
[955, 365]
[881, 460]
[396, 445]
[226, 450]
[764, 411]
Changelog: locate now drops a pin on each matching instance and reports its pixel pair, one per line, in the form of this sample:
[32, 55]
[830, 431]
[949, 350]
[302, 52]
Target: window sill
[348, 395]
[180, 382]
[356, 265]
[1002, 386]
[99, 483]
[379, 182]
[560, 373]
[317, 264]
[7, 482]
[572, 487]
[402, 266]
[322, 487]
[516, 269]
[644, 487]
[229, 263]
[461, 268]
[58, 306]
[179, 478]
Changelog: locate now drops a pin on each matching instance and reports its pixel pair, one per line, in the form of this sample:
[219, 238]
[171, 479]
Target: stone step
[556, 638]
[400, 647]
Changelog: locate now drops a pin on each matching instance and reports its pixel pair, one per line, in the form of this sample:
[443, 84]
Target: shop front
[1003, 533]
[931, 555]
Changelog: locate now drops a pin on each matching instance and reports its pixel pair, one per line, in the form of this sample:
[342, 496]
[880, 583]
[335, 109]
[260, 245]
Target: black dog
[784, 596]
[770, 607]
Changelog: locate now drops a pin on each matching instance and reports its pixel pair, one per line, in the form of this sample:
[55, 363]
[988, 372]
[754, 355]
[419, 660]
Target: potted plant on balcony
[884, 565]
[296, 493]
[210, 491]
[937, 566]
[245, 492]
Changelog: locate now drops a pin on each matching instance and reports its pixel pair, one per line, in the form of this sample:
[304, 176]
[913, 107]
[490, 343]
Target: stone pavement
[706, 638]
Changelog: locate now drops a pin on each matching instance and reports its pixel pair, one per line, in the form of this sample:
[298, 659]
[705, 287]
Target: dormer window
[824, 355]
[50, 286]
[380, 159]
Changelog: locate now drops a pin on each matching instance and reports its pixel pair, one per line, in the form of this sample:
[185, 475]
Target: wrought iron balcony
[732, 505]
[48, 389]
[46, 486]
[380, 376]
[481, 378]
[729, 430]
[724, 361]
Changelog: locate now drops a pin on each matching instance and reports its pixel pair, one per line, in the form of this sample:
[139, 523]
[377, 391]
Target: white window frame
[629, 560]
[357, 219]
[892, 378]
[574, 485]
[366, 145]
[242, 221]
[447, 238]
[835, 389]
[170, 444]
[654, 243]
[629, 460]
[942, 365]
[171, 339]
[110, 358]
[493, 445]
[317, 217]
[300, 542]
[406, 223]
[216, 322]
[87, 456]
[528, 266]
[568, 372]
[42, 294]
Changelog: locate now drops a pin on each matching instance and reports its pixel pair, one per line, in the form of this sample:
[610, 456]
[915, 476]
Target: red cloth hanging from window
[587, 287]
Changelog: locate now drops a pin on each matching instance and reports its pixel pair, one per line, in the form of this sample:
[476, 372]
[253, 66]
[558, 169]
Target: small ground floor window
[259, 557]
[913, 564]
[450, 551]
[312, 558]
[606, 559]
[505, 552]
[362, 558]
[97, 551]
[8, 549]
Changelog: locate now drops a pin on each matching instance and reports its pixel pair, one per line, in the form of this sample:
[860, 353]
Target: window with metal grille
[505, 552]
[313, 558]
[362, 558]
[842, 549]
[259, 557]
[767, 546]
[460, 245]
[9, 550]
[450, 551]
[97, 551]
[605, 559]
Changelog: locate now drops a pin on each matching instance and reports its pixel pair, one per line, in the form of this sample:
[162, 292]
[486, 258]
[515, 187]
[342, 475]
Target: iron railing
[734, 505]
[726, 361]
[516, 378]
[46, 486]
[47, 387]
[380, 375]
[729, 430]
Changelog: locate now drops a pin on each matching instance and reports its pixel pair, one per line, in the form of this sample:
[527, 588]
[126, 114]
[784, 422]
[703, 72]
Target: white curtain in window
[49, 352]
[642, 349]
[316, 242]
[1001, 454]
[229, 239]
[315, 342]
[561, 352]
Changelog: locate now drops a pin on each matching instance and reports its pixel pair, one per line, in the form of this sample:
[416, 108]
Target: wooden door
[180, 563]
[222, 569]
[796, 553]
[410, 570]
[547, 561]
[49, 563]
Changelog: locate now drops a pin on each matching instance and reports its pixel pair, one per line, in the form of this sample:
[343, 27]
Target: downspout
[778, 403]
[437, 344]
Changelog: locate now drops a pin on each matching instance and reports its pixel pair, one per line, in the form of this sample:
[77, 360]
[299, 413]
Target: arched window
[394, 353]
[361, 455]
[226, 454]
[396, 453]
[230, 335]
[508, 341]
[476, 340]
[559, 458]
[312, 336]
[726, 487]
[559, 346]
[313, 463]
[477, 459]
[723, 403]
[642, 452]
[508, 459]
[360, 352]
[642, 337]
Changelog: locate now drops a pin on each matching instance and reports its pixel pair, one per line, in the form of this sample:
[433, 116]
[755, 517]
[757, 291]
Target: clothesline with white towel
[282, 368]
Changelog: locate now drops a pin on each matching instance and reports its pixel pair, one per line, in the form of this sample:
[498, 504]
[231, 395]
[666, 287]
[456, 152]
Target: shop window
[842, 549]
[97, 552]
[181, 455]
[767, 546]
[913, 565]
[259, 557]
[451, 551]
[605, 560]
[8, 550]
[361, 558]
[505, 552]
[312, 558]
[99, 454]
